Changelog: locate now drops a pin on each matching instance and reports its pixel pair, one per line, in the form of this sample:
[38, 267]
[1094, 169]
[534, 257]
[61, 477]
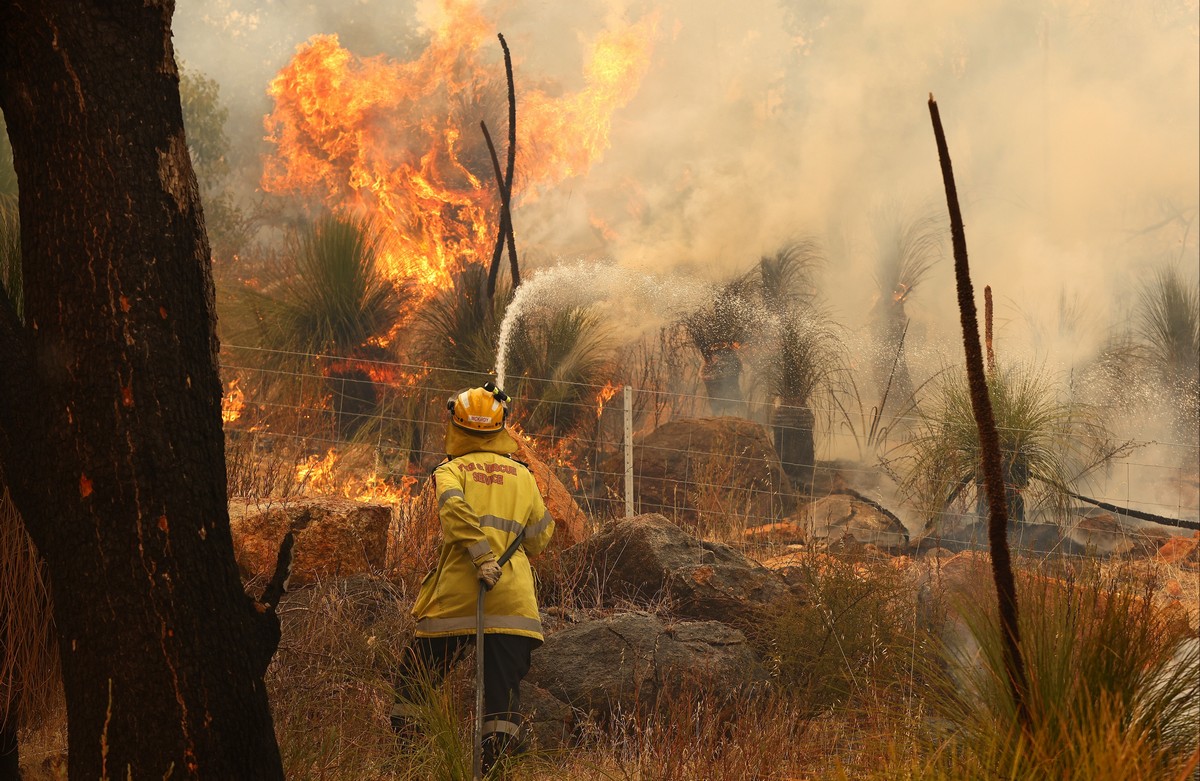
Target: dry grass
[853, 692]
[29, 674]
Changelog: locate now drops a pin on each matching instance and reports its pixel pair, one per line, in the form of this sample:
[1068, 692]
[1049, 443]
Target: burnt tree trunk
[110, 403]
[722, 376]
[793, 425]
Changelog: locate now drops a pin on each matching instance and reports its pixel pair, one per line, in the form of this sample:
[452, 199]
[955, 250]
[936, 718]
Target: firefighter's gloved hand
[489, 572]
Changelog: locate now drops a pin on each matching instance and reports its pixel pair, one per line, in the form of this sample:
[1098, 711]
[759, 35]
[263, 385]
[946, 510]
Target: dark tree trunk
[110, 403]
[793, 426]
[355, 399]
[722, 375]
[10, 765]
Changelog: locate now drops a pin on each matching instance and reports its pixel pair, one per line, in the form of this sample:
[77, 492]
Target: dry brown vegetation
[861, 683]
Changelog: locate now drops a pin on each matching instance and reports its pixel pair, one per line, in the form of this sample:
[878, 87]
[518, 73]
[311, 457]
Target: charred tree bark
[793, 425]
[505, 235]
[721, 372]
[989, 441]
[110, 403]
[10, 758]
[987, 328]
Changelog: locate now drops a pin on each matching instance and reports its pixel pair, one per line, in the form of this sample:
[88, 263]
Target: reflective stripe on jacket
[484, 500]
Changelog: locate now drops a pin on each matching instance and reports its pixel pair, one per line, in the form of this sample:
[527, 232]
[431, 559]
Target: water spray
[582, 283]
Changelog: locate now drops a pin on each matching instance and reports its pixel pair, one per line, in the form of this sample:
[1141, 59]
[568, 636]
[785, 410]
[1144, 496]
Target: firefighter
[486, 498]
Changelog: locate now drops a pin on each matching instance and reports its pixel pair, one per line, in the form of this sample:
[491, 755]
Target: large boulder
[550, 721]
[709, 470]
[570, 524]
[647, 556]
[848, 513]
[335, 538]
[1183, 552]
[625, 662]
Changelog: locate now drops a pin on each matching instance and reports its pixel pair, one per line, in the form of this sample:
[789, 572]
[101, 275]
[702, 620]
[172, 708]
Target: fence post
[628, 452]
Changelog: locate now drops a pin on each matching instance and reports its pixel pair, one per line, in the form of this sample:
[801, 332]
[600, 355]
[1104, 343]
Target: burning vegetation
[400, 140]
[761, 394]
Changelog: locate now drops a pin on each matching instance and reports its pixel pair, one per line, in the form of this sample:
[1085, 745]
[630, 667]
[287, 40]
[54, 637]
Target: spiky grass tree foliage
[786, 281]
[804, 355]
[330, 295]
[561, 357]
[327, 304]
[797, 351]
[739, 312]
[456, 330]
[907, 251]
[1047, 445]
[556, 359]
[1168, 330]
[1169, 324]
[718, 330]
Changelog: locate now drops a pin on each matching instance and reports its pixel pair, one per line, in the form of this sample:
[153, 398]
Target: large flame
[402, 140]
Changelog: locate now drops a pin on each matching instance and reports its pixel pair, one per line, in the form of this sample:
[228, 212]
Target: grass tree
[558, 354]
[457, 329]
[739, 312]
[804, 356]
[786, 281]
[719, 330]
[800, 354]
[328, 306]
[561, 357]
[1047, 445]
[1167, 327]
[1113, 684]
[907, 251]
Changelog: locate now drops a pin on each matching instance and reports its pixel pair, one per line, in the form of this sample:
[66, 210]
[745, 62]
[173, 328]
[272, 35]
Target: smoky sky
[1074, 129]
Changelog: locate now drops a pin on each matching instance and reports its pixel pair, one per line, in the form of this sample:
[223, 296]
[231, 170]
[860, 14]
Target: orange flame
[401, 140]
[325, 476]
[607, 392]
[316, 472]
[232, 403]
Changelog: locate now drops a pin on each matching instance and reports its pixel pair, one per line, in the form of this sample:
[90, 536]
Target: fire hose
[477, 759]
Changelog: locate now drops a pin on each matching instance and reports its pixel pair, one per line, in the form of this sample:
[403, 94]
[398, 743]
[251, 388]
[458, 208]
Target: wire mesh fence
[370, 429]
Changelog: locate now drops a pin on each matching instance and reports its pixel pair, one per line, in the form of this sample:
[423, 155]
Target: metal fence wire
[305, 423]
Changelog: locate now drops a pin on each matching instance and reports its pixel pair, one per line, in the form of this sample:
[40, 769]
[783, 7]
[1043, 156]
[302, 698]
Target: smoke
[1073, 126]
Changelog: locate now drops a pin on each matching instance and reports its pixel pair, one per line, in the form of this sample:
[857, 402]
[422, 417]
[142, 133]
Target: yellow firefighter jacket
[484, 500]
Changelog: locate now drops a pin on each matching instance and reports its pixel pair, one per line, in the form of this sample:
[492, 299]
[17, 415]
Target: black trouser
[505, 662]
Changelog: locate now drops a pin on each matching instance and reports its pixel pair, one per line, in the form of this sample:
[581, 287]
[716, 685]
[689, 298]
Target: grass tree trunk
[792, 423]
[110, 403]
[722, 375]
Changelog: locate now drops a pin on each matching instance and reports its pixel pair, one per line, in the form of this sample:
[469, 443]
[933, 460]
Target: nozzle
[497, 394]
